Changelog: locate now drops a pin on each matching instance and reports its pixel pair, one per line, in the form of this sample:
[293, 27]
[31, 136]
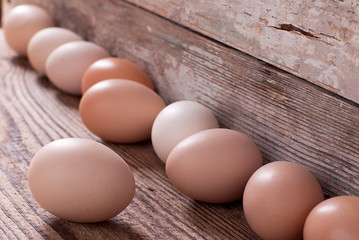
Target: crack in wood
[291, 28]
[329, 36]
[246, 13]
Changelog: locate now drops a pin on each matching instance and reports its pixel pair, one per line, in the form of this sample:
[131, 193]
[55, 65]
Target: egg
[333, 219]
[44, 42]
[21, 23]
[120, 111]
[277, 199]
[80, 180]
[178, 121]
[213, 165]
[66, 65]
[114, 68]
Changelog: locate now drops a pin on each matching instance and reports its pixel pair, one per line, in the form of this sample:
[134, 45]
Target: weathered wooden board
[289, 118]
[316, 40]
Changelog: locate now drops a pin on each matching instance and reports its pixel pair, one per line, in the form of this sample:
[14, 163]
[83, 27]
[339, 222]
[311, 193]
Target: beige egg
[45, 41]
[21, 23]
[178, 121]
[120, 110]
[213, 165]
[278, 198]
[66, 65]
[333, 219]
[80, 180]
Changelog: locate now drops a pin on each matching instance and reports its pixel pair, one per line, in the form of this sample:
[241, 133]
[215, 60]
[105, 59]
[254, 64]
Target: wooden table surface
[34, 113]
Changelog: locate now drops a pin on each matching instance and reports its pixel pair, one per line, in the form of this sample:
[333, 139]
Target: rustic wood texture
[33, 113]
[289, 118]
[316, 40]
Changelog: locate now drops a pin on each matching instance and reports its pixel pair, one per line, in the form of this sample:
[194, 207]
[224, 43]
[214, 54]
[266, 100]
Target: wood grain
[316, 40]
[33, 113]
[289, 118]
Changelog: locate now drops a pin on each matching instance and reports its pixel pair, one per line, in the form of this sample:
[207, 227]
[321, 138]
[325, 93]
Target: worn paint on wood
[316, 40]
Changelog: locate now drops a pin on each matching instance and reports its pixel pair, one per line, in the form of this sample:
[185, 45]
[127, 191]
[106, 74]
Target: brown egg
[80, 180]
[44, 42]
[114, 68]
[66, 65]
[120, 110]
[278, 198]
[21, 23]
[213, 165]
[336, 218]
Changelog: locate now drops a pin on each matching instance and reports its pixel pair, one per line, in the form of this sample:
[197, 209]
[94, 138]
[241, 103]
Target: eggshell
[80, 180]
[114, 68]
[178, 121]
[21, 23]
[120, 110]
[333, 219]
[278, 198]
[66, 65]
[213, 165]
[44, 42]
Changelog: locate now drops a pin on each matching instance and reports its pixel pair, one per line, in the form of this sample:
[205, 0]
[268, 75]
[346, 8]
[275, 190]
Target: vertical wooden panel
[316, 40]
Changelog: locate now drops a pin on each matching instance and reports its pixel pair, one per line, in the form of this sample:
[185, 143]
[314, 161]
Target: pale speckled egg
[178, 121]
[80, 180]
[114, 68]
[66, 65]
[213, 165]
[120, 111]
[278, 198]
[333, 219]
[21, 23]
[45, 41]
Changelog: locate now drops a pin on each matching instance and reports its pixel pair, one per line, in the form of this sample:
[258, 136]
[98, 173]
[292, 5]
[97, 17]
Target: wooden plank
[289, 118]
[316, 40]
